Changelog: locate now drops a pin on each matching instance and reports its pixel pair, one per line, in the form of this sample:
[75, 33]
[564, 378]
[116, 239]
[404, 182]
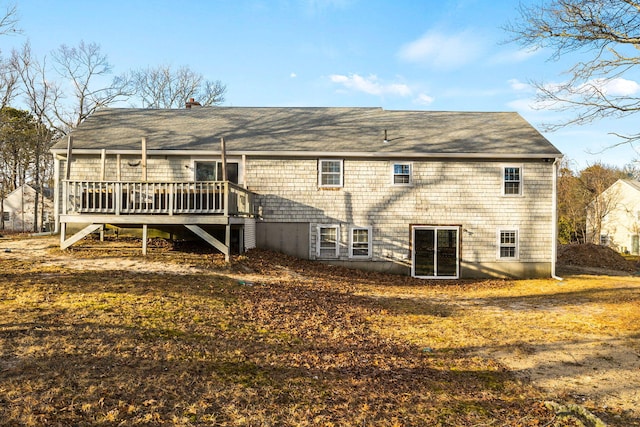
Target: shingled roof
[348, 131]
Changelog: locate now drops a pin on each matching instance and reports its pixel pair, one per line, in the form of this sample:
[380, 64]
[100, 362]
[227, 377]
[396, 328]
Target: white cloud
[513, 56]
[293, 75]
[519, 86]
[424, 99]
[370, 85]
[613, 87]
[444, 50]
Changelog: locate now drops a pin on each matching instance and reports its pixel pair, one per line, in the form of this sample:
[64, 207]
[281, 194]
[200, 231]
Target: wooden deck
[143, 204]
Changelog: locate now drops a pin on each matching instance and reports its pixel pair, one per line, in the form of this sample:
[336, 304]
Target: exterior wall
[289, 238]
[458, 193]
[621, 226]
[20, 207]
[443, 192]
[159, 168]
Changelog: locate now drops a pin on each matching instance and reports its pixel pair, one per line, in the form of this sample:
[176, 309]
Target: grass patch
[296, 348]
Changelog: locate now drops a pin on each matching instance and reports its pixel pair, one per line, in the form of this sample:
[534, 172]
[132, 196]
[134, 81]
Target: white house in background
[620, 224]
[18, 210]
[432, 194]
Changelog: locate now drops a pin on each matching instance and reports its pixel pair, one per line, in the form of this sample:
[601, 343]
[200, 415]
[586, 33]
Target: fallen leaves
[297, 347]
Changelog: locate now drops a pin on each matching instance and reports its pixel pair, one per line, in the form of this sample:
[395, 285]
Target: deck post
[144, 239]
[144, 159]
[223, 155]
[227, 242]
[225, 190]
[103, 164]
[117, 195]
[63, 232]
[67, 168]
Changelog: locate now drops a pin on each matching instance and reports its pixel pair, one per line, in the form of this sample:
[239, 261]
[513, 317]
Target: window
[327, 241]
[360, 242]
[402, 173]
[6, 216]
[604, 239]
[212, 171]
[508, 244]
[512, 181]
[330, 173]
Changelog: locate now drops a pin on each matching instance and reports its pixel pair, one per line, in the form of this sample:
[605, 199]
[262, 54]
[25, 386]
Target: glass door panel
[424, 252]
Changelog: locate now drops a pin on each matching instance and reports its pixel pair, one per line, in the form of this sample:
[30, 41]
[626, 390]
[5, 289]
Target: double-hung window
[512, 181]
[330, 173]
[6, 216]
[508, 244]
[327, 241]
[401, 173]
[360, 242]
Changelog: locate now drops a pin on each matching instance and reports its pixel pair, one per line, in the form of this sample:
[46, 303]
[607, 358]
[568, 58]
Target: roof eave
[360, 154]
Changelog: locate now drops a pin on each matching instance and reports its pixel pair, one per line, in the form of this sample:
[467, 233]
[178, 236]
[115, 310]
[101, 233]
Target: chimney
[192, 102]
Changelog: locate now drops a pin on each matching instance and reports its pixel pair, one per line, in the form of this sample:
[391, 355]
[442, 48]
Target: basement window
[360, 242]
[327, 241]
[508, 244]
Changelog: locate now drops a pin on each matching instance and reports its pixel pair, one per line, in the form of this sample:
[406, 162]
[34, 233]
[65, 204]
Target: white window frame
[394, 174]
[321, 173]
[352, 231]
[319, 229]
[503, 178]
[515, 245]
[605, 240]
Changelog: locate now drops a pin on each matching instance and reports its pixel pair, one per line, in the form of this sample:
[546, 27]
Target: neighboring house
[18, 210]
[431, 194]
[618, 208]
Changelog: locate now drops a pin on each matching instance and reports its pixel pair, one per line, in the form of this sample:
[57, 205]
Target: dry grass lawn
[182, 339]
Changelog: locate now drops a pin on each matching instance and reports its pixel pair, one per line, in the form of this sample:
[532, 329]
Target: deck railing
[161, 198]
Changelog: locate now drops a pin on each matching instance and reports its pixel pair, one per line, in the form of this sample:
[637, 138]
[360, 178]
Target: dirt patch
[594, 256]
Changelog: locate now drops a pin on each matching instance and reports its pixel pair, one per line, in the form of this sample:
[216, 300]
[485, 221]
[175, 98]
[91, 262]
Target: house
[431, 194]
[613, 219]
[18, 210]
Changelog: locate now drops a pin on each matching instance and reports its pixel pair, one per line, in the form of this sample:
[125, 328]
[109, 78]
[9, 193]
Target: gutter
[554, 221]
[289, 153]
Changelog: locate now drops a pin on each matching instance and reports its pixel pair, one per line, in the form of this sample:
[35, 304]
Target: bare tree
[596, 180]
[37, 92]
[8, 83]
[607, 34]
[8, 77]
[573, 198]
[163, 87]
[9, 20]
[84, 69]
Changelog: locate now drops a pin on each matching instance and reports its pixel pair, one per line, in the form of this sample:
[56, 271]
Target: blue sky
[401, 54]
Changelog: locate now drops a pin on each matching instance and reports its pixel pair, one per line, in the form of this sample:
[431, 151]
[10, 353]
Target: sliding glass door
[435, 252]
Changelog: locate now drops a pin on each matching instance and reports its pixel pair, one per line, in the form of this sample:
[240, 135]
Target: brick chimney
[192, 102]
